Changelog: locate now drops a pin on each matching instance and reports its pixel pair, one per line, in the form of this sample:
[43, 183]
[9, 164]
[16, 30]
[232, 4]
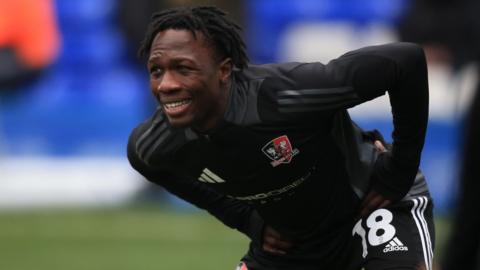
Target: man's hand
[274, 242]
[373, 200]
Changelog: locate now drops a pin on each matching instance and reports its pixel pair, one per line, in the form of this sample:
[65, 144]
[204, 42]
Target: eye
[182, 69]
[156, 71]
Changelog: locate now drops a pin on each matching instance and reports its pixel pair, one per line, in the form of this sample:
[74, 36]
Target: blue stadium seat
[85, 14]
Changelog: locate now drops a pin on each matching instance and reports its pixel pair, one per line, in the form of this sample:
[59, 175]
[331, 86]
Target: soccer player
[270, 150]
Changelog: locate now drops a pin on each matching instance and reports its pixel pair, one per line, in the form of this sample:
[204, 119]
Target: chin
[183, 122]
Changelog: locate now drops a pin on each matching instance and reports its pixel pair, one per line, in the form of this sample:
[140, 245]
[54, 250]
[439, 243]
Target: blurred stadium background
[68, 197]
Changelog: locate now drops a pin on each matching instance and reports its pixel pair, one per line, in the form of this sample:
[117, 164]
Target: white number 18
[380, 229]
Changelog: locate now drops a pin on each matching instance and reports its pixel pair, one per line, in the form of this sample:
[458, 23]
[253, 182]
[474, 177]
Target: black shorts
[400, 236]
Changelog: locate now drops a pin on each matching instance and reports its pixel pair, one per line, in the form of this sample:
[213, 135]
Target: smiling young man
[189, 79]
[271, 151]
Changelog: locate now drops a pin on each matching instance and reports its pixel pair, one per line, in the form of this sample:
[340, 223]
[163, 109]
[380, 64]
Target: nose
[168, 84]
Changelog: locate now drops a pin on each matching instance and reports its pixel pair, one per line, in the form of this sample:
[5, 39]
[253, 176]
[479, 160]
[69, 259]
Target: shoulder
[272, 70]
[275, 88]
[147, 138]
[253, 94]
[403, 54]
[278, 75]
[146, 130]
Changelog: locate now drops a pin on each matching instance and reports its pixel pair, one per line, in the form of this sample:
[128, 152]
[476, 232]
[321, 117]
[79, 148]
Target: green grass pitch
[131, 238]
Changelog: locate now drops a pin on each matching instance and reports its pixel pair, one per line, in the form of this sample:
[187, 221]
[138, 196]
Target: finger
[269, 231]
[273, 250]
[277, 243]
[376, 201]
[385, 203]
[380, 147]
[367, 200]
[371, 205]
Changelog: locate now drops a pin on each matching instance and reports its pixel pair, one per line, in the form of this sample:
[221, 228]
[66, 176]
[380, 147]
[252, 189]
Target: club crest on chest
[280, 151]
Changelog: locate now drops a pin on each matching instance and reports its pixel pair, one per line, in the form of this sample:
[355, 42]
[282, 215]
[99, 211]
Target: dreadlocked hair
[212, 22]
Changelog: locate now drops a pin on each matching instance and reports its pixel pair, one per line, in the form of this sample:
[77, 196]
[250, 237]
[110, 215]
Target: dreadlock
[223, 33]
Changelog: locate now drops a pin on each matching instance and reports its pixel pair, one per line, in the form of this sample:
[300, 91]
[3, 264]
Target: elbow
[412, 57]
[413, 49]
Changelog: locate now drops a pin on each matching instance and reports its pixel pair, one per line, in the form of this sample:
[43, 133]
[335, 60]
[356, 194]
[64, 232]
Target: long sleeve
[231, 212]
[406, 80]
[303, 90]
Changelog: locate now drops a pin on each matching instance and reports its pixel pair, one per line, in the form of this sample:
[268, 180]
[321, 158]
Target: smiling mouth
[176, 107]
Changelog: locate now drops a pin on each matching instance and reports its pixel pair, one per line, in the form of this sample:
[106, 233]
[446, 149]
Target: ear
[225, 69]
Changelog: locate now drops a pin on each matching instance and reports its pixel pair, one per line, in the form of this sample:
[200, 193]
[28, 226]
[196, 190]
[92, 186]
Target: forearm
[231, 212]
[409, 102]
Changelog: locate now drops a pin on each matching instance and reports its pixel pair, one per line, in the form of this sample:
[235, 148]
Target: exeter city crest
[280, 151]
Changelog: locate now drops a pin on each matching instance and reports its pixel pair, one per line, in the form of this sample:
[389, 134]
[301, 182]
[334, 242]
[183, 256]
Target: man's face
[187, 79]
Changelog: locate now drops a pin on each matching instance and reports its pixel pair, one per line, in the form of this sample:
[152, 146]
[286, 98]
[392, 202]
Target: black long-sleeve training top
[287, 150]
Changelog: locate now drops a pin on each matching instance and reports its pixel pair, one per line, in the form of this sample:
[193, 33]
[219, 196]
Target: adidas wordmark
[395, 245]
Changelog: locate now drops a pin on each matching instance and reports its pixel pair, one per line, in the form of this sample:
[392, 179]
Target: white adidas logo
[208, 176]
[395, 245]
